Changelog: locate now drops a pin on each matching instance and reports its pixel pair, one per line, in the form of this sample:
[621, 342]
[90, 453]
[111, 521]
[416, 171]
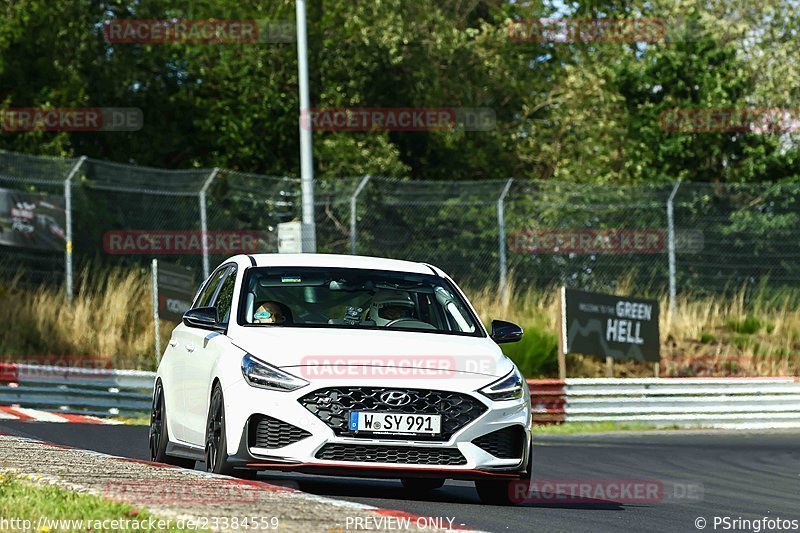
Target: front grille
[406, 455]
[504, 443]
[268, 432]
[333, 406]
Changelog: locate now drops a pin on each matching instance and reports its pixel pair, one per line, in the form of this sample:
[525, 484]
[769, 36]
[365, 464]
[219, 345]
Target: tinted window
[224, 299]
[204, 298]
[354, 298]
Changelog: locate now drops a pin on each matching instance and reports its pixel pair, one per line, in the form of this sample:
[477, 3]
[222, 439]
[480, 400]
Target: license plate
[403, 423]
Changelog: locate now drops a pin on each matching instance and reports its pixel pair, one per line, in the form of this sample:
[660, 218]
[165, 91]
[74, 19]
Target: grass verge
[50, 508]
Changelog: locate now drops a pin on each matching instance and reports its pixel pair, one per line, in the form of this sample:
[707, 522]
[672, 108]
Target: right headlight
[260, 374]
[508, 387]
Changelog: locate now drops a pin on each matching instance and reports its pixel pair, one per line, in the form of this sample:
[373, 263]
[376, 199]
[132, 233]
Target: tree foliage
[581, 111]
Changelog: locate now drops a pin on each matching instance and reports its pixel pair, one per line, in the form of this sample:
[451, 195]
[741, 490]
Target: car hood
[288, 347]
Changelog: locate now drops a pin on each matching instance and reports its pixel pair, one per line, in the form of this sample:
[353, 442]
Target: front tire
[159, 433]
[496, 492]
[217, 442]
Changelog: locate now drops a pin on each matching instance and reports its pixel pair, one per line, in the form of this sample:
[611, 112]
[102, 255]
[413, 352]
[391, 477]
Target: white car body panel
[287, 347]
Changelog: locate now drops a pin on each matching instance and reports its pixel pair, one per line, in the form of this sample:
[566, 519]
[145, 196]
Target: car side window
[224, 300]
[204, 298]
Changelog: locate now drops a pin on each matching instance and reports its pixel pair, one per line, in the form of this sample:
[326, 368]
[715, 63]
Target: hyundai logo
[395, 398]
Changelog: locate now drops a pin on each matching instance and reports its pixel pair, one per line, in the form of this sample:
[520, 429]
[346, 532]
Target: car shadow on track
[452, 492]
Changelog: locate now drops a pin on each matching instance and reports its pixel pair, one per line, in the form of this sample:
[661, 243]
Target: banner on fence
[32, 220]
[176, 290]
[619, 327]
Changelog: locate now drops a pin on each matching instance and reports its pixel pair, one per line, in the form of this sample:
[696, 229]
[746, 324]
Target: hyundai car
[342, 365]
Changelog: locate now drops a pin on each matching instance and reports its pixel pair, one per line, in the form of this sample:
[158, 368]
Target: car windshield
[354, 298]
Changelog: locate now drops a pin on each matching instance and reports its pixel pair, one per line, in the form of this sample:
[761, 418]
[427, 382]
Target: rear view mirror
[203, 318]
[503, 332]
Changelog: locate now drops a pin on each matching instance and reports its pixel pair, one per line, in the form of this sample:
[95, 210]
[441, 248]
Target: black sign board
[620, 327]
[32, 220]
[176, 290]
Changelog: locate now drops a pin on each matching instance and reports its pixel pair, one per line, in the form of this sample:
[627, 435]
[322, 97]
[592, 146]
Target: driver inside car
[388, 306]
[269, 313]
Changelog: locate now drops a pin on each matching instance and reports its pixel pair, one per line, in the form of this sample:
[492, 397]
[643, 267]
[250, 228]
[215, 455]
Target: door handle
[190, 347]
[173, 343]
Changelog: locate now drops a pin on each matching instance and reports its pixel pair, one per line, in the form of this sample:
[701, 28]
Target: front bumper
[320, 447]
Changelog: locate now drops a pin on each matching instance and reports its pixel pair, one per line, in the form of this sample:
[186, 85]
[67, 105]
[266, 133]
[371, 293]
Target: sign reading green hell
[620, 327]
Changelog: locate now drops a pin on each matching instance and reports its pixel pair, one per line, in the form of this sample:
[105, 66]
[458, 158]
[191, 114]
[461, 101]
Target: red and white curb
[24, 414]
[176, 493]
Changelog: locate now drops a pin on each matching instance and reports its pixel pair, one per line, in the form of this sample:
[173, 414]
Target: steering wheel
[412, 323]
[401, 319]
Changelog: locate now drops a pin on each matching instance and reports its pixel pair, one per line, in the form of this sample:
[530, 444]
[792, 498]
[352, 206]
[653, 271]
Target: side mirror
[203, 318]
[503, 331]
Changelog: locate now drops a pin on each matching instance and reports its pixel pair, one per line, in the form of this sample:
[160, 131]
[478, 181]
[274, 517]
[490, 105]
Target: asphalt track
[748, 475]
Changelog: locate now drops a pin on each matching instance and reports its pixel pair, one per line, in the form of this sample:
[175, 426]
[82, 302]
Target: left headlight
[508, 387]
[260, 374]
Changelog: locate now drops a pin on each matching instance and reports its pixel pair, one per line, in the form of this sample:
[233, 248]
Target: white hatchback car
[342, 365]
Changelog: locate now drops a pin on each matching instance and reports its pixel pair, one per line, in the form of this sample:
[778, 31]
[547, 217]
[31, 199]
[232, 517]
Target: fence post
[309, 238]
[353, 198]
[501, 241]
[204, 220]
[671, 250]
[68, 224]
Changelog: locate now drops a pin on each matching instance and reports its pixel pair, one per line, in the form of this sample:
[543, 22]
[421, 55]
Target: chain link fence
[657, 237]
[589, 236]
[46, 176]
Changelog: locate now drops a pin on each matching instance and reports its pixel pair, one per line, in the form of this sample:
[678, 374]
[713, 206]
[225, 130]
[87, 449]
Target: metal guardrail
[685, 402]
[99, 392]
[707, 402]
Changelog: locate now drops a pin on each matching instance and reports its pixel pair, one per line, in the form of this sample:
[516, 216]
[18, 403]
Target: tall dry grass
[111, 318]
[747, 334]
